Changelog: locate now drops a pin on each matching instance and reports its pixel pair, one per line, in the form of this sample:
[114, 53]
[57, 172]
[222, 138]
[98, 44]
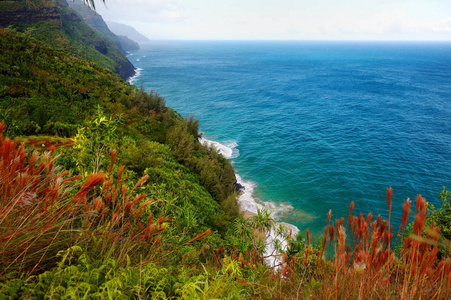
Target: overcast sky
[284, 19]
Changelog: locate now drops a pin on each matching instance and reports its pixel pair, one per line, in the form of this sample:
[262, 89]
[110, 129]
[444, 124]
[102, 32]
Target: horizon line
[287, 40]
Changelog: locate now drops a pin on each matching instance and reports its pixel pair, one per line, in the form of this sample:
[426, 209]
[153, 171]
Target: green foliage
[220, 285]
[297, 245]
[49, 91]
[147, 103]
[54, 23]
[178, 192]
[181, 141]
[94, 142]
[45, 91]
[442, 215]
[146, 154]
[215, 172]
[442, 218]
[77, 276]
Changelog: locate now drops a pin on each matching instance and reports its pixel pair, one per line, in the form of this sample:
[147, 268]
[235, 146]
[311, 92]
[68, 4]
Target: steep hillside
[47, 91]
[53, 22]
[95, 20]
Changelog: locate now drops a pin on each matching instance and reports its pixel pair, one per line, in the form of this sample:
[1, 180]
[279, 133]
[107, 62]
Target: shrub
[441, 217]
[148, 102]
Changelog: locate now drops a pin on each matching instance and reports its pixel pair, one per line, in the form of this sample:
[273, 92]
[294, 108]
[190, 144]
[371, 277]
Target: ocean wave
[131, 80]
[246, 199]
[249, 203]
[229, 150]
[250, 206]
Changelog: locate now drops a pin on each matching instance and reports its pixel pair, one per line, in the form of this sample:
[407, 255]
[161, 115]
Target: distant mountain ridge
[96, 21]
[129, 31]
[53, 22]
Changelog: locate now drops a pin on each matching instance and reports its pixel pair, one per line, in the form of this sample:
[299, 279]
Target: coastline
[247, 203]
[133, 78]
[249, 206]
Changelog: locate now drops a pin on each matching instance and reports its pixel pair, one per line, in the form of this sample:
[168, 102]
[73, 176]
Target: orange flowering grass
[42, 211]
[363, 264]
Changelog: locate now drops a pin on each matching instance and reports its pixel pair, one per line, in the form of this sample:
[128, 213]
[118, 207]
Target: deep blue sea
[316, 125]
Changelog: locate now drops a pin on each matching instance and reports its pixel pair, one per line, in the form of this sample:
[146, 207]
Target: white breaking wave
[278, 208]
[131, 80]
[248, 203]
[245, 199]
[229, 151]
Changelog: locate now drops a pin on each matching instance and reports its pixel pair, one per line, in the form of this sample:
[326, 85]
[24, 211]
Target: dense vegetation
[95, 20]
[106, 193]
[54, 23]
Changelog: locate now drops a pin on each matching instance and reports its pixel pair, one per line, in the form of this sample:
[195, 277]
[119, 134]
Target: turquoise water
[316, 125]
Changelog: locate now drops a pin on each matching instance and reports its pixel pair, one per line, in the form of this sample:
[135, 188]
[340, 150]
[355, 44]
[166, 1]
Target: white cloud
[384, 25]
[141, 10]
[442, 26]
[284, 19]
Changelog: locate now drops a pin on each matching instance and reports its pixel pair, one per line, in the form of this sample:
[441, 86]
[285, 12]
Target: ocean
[311, 126]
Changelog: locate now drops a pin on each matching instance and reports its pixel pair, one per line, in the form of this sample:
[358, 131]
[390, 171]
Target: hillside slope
[53, 22]
[47, 91]
[96, 21]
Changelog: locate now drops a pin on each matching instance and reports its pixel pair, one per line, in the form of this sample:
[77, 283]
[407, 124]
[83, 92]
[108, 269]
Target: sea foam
[249, 205]
[228, 150]
[132, 80]
[246, 199]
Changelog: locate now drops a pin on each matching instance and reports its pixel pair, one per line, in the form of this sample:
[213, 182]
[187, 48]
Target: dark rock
[239, 188]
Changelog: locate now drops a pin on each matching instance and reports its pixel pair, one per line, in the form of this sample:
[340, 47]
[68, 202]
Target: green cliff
[53, 22]
[95, 20]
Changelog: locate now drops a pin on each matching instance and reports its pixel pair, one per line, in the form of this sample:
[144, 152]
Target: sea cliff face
[53, 22]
